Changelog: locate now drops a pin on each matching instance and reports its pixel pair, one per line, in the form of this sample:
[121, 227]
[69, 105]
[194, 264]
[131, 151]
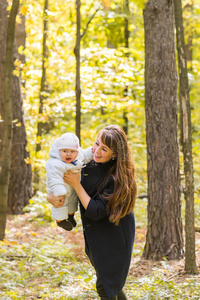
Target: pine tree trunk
[188, 9]
[77, 55]
[20, 36]
[20, 184]
[126, 39]
[164, 231]
[8, 118]
[43, 89]
[3, 32]
[77, 48]
[190, 259]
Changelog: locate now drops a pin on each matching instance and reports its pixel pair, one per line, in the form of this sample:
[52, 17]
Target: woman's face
[102, 153]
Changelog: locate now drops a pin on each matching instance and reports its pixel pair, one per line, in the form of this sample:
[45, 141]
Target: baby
[66, 154]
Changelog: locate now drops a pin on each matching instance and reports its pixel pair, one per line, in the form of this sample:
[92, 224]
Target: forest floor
[39, 260]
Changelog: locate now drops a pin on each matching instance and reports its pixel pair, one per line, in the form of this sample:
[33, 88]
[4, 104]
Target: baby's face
[68, 155]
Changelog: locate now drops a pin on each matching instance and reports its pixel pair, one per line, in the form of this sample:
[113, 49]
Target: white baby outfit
[55, 168]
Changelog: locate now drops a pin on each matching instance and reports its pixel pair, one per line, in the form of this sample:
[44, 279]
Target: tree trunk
[164, 231]
[77, 55]
[20, 184]
[189, 44]
[20, 35]
[126, 38]
[190, 259]
[77, 47]
[126, 27]
[8, 118]
[43, 89]
[3, 32]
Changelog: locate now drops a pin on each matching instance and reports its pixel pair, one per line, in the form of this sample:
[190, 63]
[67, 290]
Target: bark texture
[126, 40]
[3, 31]
[164, 232]
[190, 259]
[20, 184]
[20, 35]
[8, 117]
[43, 90]
[78, 83]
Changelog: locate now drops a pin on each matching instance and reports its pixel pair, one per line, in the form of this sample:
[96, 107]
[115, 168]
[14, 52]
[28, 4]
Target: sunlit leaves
[112, 80]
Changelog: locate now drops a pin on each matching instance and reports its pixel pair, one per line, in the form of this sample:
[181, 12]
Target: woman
[107, 194]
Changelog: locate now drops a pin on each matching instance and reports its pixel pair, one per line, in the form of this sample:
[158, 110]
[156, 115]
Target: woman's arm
[96, 206]
[73, 180]
[56, 201]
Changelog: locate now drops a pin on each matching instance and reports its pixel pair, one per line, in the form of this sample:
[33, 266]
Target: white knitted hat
[68, 141]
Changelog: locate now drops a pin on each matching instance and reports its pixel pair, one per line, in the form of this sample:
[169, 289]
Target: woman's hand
[56, 201]
[72, 178]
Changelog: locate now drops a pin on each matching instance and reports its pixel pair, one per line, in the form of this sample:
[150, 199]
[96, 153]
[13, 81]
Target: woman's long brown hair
[122, 201]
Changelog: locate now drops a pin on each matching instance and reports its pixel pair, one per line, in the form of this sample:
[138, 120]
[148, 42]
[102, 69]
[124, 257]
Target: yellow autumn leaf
[17, 63]
[28, 161]
[24, 9]
[21, 49]
[40, 154]
[16, 73]
[18, 233]
[46, 64]
[18, 20]
[6, 242]
[106, 3]
[13, 243]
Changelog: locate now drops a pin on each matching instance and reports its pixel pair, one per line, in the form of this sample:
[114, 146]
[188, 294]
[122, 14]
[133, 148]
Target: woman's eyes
[104, 149]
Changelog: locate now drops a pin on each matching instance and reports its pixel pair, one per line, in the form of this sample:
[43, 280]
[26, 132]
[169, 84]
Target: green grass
[41, 261]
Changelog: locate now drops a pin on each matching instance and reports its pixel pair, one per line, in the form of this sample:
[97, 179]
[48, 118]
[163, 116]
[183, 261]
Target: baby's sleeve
[88, 155]
[55, 179]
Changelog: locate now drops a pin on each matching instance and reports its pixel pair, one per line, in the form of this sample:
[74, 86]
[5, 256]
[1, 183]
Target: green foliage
[105, 74]
[42, 268]
[160, 286]
[37, 260]
[112, 80]
[41, 261]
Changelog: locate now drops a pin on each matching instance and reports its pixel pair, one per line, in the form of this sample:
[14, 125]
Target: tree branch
[90, 20]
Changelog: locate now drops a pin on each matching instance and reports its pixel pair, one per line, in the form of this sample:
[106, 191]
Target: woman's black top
[110, 245]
